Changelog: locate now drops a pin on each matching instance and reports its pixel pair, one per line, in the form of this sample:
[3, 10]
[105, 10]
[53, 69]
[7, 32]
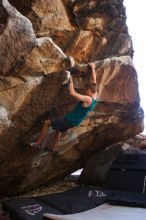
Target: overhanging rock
[31, 89]
[116, 117]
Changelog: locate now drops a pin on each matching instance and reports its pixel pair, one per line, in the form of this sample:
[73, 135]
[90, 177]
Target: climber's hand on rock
[67, 79]
[70, 80]
[68, 74]
[92, 65]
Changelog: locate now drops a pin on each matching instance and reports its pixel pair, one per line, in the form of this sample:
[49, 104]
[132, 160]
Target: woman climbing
[86, 104]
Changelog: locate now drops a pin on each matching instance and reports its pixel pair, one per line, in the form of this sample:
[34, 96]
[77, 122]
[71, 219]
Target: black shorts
[60, 124]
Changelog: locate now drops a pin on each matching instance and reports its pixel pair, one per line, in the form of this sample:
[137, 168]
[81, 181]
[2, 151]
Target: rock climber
[86, 104]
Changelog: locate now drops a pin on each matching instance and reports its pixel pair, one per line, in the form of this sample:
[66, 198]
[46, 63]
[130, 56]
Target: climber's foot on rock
[34, 145]
[54, 153]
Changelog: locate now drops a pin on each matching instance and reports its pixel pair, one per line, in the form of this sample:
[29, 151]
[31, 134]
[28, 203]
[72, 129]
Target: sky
[136, 22]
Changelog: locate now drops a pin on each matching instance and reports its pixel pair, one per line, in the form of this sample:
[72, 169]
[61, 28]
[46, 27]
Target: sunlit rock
[17, 38]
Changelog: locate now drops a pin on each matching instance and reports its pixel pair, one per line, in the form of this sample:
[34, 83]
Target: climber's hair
[91, 86]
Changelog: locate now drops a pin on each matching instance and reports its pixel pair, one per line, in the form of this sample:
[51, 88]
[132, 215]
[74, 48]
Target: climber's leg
[43, 132]
[56, 141]
[59, 125]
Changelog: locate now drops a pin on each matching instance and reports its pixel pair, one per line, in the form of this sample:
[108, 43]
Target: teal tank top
[77, 115]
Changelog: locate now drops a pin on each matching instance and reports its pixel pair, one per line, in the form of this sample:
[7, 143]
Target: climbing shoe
[34, 145]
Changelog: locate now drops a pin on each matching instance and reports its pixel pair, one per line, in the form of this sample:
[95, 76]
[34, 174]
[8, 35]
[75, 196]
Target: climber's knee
[47, 123]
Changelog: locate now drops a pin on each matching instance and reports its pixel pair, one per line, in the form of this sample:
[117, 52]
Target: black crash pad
[131, 199]
[128, 173]
[76, 200]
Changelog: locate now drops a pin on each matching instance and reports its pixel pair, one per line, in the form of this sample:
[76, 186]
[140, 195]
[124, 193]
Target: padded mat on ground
[131, 199]
[72, 201]
[128, 173]
[103, 212]
[130, 162]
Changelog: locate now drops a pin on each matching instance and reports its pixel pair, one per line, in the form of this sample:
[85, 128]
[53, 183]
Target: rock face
[33, 58]
[139, 141]
[17, 38]
[96, 168]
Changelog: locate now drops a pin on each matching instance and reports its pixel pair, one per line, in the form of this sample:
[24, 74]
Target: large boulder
[97, 167]
[17, 37]
[31, 85]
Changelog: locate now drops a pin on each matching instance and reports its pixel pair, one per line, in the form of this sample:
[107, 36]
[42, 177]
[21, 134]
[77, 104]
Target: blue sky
[136, 18]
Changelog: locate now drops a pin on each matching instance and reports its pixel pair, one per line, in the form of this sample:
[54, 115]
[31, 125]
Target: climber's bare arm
[83, 98]
[93, 77]
[93, 72]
